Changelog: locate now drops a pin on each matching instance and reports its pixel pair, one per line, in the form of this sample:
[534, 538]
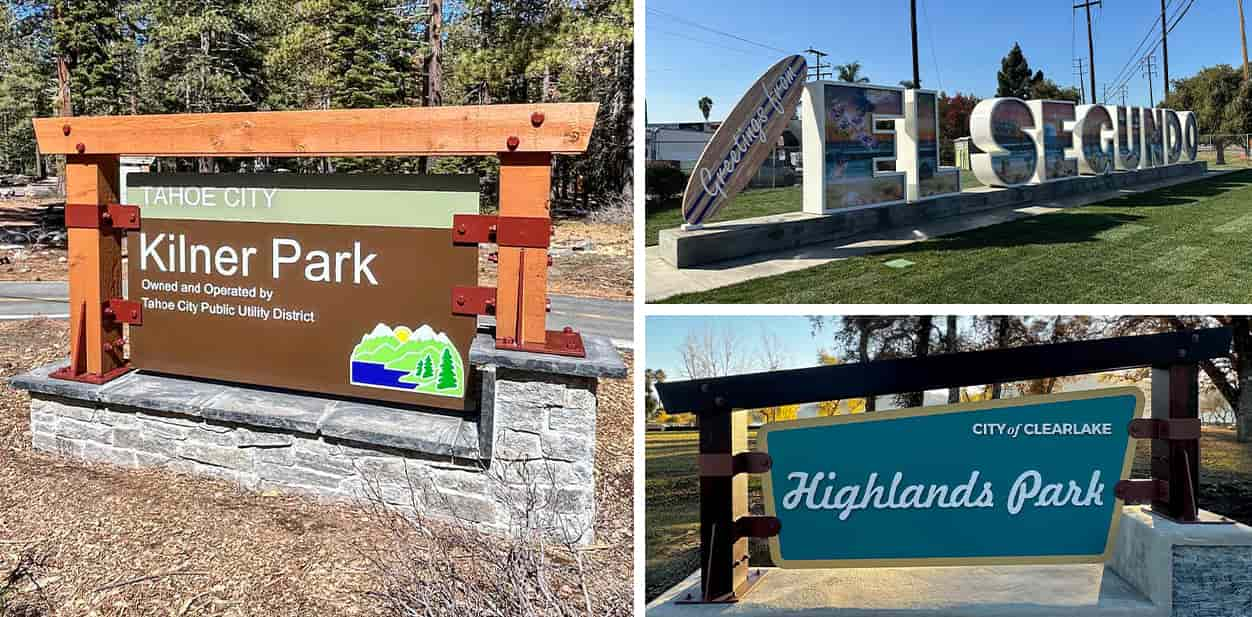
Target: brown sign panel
[337, 285]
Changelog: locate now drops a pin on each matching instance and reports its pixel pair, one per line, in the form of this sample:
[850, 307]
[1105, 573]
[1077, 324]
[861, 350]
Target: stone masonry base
[525, 460]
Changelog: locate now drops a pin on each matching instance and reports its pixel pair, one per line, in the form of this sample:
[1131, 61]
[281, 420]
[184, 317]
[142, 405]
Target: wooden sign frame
[524, 137]
[722, 403]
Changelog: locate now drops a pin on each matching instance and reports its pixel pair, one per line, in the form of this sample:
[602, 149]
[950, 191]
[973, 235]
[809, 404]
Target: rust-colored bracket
[567, 342]
[722, 465]
[515, 231]
[473, 300]
[1172, 429]
[1141, 491]
[124, 311]
[95, 216]
[757, 527]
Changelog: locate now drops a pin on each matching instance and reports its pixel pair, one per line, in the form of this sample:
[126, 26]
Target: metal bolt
[568, 330]
[460, 300]
[1195, 338]
[1182, 353]
[460, 229]
[514, 142]
[81, 147]
[134, 314]
[720, 401]
[536, 119]
[704, 388]
[65, 129]
[108, 311]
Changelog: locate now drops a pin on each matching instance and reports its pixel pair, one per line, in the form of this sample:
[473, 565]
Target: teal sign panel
[1026, 480]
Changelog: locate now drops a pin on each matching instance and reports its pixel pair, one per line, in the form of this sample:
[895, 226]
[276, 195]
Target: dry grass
[604, 271]
[152, 542]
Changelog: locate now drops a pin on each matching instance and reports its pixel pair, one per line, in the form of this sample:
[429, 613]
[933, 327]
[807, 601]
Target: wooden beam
[522, 277]
[484, 130]
[95, 264]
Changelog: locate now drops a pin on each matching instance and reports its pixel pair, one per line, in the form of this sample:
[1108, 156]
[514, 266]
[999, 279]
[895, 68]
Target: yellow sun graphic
[402, 333]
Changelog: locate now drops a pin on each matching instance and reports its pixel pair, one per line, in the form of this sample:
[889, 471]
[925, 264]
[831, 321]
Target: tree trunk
[434, 67]
[1002, 341]
[954, 394]
[1220, 145]
[921, 350]
[1242, 362]
[863, 354]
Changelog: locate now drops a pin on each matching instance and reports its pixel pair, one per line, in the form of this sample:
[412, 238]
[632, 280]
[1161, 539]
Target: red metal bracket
[564, 343]
[96, 216]
[473, 300]
[1142, 491]
[515, 231]
[722, 465]
[77, 368]
[1172, 429]
[124, 311]
[757, 527]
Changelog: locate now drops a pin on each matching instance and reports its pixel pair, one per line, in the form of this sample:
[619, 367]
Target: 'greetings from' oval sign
[744, 140]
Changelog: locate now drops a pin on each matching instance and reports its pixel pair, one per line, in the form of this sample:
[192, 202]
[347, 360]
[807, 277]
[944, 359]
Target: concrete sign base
[722, 241]
[535, 434]
[1158, 569]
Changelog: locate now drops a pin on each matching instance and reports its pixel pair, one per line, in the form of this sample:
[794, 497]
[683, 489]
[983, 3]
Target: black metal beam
[828, 383]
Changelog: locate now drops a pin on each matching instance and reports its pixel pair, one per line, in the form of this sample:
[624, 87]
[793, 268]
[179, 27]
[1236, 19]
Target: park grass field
[672, 490]
[1186, 244]
[752, 203]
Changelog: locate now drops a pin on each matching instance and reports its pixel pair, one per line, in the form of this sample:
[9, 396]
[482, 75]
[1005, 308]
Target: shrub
[664, 180]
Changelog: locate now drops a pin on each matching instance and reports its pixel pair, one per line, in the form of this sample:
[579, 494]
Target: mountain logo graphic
[400, 358]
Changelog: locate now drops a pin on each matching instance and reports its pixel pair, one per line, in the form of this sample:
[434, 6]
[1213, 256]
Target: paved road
[611, 318]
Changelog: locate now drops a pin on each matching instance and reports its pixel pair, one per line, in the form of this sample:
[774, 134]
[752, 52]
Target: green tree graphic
[428, 368]
[447, 372]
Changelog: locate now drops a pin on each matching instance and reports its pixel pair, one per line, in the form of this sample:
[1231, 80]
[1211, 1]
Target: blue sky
[960, 43]
[665, 333]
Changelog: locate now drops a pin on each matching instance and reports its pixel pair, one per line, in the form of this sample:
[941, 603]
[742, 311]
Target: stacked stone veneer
[526, 459]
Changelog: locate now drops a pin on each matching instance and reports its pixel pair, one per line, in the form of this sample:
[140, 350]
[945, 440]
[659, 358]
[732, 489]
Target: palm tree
[706, 106]
[851, 73]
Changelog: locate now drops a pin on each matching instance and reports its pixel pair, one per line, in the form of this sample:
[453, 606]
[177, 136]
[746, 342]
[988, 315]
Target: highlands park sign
[867, 145]
[1027, 480]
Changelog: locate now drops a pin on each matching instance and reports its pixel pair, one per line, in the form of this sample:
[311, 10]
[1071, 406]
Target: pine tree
[1015, 78]
[447, 372]
[87, 35]
[428, 368]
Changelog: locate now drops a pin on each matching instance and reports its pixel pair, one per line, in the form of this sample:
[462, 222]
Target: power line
[660, 13]
[1178, 15]
[930, 34]
[1134, 55]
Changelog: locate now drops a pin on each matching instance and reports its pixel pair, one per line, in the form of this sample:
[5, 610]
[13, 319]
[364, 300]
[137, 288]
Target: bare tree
[713, 352]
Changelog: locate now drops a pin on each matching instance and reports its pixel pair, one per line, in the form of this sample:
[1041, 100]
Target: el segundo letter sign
[744, 140]
[1028, 480]
[329, 284]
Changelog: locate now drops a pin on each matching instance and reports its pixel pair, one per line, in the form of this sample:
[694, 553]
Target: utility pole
[817, 64]
[917, 79]
[1090, 43]
[1080, 74]
[1164, 49]
[1243, 34]
[1149, 70]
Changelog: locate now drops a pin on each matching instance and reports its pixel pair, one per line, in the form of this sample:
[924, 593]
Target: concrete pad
[663, 280]
[994, 591]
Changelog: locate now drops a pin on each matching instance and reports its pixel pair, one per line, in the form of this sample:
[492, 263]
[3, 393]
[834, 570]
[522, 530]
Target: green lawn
[1188, 244]
[748, 204]
[672, 515]
[756, 202]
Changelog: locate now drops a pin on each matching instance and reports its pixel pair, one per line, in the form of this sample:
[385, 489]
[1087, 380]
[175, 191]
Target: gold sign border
[775, 552]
